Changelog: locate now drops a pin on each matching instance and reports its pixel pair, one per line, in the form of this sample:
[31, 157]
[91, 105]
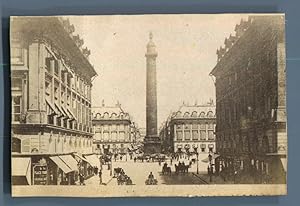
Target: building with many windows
[114, 131]
[51, 81]
[251, 100]
[190, 129]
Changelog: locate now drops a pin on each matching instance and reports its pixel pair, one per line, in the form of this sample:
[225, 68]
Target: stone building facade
[51, 81]
[114, 131]
[251, 100]
[190, 129]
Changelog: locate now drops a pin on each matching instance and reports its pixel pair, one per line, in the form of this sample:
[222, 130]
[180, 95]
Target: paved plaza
[138, 172]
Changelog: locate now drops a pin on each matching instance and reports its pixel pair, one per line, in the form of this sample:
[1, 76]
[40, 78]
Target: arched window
[202, 115]
[178, 114]
[194, 114]
[210, 114]
[16, 145]
[106, 115]
[186, 114]
[98, 116]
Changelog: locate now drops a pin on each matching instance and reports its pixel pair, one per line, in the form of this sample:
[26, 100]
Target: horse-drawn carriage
[151, 181]
[181, 168]
[118, 171]
[124, 179]
[166, 170]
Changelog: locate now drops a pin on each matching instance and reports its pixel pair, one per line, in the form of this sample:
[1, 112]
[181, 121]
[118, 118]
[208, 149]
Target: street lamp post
[197, 155]
[197, 162]
[111, 166]
[210, 168]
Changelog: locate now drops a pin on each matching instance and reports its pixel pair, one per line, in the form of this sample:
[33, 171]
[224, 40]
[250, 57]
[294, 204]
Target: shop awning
[70, 161]
[93, 160]
[61, 113]
[79, 157]
[65, 113]
[284, 163]
[52, 107]
[71, 114]
[61, 164]
[213, 156]
[21, 170]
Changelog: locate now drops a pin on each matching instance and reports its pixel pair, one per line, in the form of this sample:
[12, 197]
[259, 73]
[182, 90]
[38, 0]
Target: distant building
[114, 132]
[51, 80]
[190, 129]
[251, 100]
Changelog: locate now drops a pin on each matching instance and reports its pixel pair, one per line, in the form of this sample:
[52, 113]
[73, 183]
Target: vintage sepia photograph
[148, 105]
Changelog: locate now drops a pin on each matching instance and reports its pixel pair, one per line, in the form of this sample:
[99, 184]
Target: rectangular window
[58, 122]
[68, 98]
[50, 119]
[114, 136]
[65, 123]
[47, 88]
[98, 129]
[47, 64]
[210, 135]
[105, 128]
[178, 127]
[179, 135]
[121, 127]
[187, 135]
[17, 56]
[195, 134]
[56, 70]
[105, 136]
[202, 135]
[187, 126]
[62, 96]
[62, 77]
[98, 136]
[55, 92]
[113, 127]
[16, 83]
[16, 108]
[195, 126]
[202, 126]
[122, 136]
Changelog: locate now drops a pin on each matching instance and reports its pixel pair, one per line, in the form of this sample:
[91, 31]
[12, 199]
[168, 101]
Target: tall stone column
[152, 141]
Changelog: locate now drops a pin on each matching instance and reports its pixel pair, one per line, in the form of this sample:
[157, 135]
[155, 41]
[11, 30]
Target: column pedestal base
[152, 145]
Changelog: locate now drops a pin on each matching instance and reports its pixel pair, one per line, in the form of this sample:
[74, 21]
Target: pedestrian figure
[81, 179]
[100, 177]
[151, 176]
[171, 161]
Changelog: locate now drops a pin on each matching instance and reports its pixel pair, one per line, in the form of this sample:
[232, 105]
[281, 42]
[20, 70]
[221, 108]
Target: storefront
[93, 160]
[21, 170]
[67, 169]
[44, 169]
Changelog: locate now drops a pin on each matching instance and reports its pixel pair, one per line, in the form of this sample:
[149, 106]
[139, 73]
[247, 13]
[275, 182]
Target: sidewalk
[215, 179]
[94, 180]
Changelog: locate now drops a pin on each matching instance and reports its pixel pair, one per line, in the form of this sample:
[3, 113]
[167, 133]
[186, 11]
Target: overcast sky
[186, 46]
